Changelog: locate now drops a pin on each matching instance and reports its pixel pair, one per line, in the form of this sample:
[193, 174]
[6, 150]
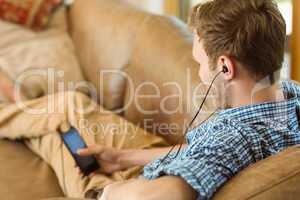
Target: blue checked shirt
[233, 140]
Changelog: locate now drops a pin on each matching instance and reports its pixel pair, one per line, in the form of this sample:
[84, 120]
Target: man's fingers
[92, 150]
[64, 127]
[109, 156]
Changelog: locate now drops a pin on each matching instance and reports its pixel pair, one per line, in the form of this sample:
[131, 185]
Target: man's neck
[248, 93]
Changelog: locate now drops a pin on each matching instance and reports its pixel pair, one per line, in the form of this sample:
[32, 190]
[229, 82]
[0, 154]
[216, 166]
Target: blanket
[38, 123]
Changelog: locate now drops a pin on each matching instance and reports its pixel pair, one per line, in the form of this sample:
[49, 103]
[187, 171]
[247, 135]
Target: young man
[259, 119]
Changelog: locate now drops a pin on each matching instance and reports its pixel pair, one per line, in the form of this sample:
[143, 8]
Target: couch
[110, 35]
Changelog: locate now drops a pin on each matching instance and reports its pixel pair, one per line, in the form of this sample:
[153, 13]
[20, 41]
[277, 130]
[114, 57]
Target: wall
[154, 6]
[296, 41]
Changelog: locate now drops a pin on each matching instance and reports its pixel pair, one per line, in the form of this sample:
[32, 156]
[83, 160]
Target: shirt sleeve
[206, 166]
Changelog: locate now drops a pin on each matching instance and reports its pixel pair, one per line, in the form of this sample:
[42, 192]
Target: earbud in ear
[225, 69]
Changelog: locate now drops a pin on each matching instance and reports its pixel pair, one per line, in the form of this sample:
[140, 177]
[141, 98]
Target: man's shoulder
[219, 129]
[291, 88]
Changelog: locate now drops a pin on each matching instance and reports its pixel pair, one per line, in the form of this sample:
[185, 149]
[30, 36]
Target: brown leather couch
[110, 35]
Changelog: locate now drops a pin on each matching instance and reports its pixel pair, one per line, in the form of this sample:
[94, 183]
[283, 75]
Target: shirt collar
[277, 110]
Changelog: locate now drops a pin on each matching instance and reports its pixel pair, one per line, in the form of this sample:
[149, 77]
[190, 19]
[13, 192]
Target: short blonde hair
[251, 31]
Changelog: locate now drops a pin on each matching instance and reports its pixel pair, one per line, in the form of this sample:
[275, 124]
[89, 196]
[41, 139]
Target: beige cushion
[63, 199]
[59, 19]
[105, 45]
[23, 175]
[22, 51]
[146, 48]
[276, 178]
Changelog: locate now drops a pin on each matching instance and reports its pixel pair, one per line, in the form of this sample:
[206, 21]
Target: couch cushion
[153, 74]
[59, 19]
[40, 60]
[62, 198]
[276, 178]
[106, 46]
[25, 175]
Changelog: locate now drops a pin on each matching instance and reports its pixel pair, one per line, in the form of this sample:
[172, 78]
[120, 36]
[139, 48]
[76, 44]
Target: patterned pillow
[34, 14]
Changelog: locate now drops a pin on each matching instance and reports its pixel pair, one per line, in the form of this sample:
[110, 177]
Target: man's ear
[225, 61]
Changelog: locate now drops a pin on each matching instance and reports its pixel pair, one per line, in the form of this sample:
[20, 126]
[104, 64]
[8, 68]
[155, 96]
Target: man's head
[247, 36]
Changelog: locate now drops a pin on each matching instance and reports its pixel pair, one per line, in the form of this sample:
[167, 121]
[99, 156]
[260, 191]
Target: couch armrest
[276, 178]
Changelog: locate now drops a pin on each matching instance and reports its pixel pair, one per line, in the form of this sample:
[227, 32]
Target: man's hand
[110, 159]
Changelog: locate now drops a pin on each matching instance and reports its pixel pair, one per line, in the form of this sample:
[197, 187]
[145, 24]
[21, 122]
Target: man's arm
[112, 159]
[142, 157]
[166, 188]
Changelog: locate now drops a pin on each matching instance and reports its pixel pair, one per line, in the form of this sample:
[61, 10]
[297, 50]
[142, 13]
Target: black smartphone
[74, 142]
